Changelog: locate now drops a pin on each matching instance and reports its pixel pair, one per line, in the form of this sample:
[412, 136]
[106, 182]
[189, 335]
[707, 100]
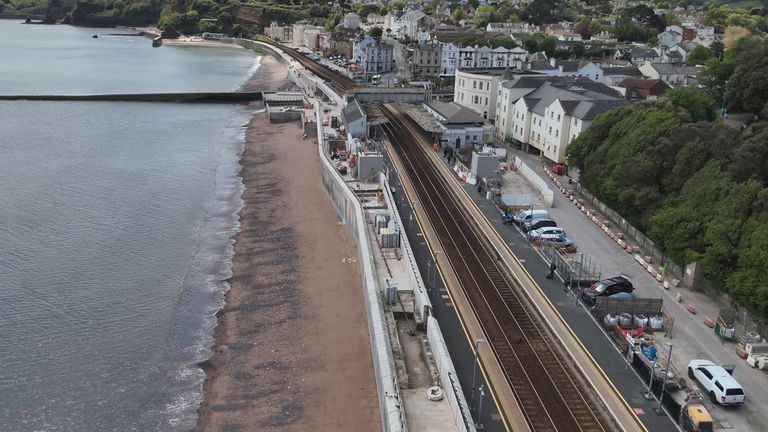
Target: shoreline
[290, 345]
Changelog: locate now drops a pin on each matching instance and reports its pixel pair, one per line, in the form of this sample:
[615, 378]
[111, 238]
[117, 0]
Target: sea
[116, 225]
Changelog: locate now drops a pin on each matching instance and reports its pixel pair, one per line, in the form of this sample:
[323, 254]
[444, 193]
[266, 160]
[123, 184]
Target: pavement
[690, 337]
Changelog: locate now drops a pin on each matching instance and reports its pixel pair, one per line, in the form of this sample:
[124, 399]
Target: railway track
[549, 391]
[339, 83]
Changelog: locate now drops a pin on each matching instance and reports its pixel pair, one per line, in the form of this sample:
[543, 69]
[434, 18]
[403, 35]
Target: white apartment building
[455, 57]
[478, 89]
[376, 59]
[301, 39]
[567, 68]
[547, 113]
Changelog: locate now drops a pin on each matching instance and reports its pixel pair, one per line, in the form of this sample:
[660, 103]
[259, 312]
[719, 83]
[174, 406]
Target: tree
[376, 32]
[549, 45]
[398, 5]
[578, 50]
[714, 76]
[699, 55]
[698, 104]
[747, 88]
[531, 44]
[542, 11]
[458, 15]
[484, 15]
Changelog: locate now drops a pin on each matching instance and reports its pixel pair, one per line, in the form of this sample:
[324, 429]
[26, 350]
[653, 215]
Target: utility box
[484, 164]
[369, 164]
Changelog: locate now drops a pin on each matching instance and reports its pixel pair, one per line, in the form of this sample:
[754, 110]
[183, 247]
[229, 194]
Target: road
[402, 70]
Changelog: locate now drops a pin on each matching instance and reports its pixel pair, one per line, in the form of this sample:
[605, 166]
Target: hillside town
[538, 72]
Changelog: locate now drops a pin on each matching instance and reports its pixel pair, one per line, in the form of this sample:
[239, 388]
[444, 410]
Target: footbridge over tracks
[388, 94]
[216, 97]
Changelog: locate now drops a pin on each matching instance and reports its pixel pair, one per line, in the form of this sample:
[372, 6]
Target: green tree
[578, 50]
[714, 76]
[698, 104]
[484, 15]
[398, 5]
[531, 44]
[458, 15]
[699, 55]
[376, 32]
[747, 88]
[549, 45]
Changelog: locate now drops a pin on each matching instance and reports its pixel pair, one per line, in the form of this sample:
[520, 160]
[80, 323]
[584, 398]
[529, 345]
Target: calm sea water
[115, 226]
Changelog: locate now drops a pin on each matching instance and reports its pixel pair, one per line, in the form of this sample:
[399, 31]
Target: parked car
[538, 223]
[607, 287]
[717, 382]
[555, 241]
[526, 215]
[567, 247]
[547, 232]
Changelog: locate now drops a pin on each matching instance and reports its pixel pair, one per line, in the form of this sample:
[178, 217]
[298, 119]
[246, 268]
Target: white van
[717, 382]
[528, 215]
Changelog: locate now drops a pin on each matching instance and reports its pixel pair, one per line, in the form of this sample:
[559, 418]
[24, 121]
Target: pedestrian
[479, 188]
[552, 268]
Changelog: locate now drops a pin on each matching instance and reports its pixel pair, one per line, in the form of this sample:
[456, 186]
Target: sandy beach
[292, 351]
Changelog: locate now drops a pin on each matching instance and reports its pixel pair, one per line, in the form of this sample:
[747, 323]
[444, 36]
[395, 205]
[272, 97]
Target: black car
[607, 287]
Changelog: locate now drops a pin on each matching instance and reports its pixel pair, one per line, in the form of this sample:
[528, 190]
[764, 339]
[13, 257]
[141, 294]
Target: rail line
[546, 388]
[550, 393]
[337, 82]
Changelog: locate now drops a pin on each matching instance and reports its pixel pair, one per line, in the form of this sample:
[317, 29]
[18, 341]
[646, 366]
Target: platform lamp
[479, 424]
[659, 410]
[478, 341]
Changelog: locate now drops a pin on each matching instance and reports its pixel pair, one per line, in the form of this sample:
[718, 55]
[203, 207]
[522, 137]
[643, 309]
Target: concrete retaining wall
[351, 212]
[541, 185]
[448, 378]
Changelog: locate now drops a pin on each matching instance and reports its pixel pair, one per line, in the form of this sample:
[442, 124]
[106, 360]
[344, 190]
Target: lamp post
[649, 395]
[478, 423]
[659, 410]
[478, 341]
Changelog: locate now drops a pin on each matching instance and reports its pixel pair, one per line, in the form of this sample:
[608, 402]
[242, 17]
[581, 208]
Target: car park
[547, 232]
[607, 287]
[538, 223]
[721, 387]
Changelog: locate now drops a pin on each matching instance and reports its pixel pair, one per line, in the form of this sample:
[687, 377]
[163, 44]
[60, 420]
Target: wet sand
[292, 351]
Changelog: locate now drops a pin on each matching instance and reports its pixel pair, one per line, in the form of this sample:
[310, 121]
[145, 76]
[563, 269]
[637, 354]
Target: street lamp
[478, 341]
[659, 410]
[478, 423]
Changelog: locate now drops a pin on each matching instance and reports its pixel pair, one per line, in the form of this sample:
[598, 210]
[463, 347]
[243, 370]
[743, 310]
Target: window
[474, 84]
[558, 117]
[720, 386]
[706, 373]
[551, 114]
[597, 77]
[550, 130]
[476, 99]
[487, 86]
[557, 133]
[486, 101]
